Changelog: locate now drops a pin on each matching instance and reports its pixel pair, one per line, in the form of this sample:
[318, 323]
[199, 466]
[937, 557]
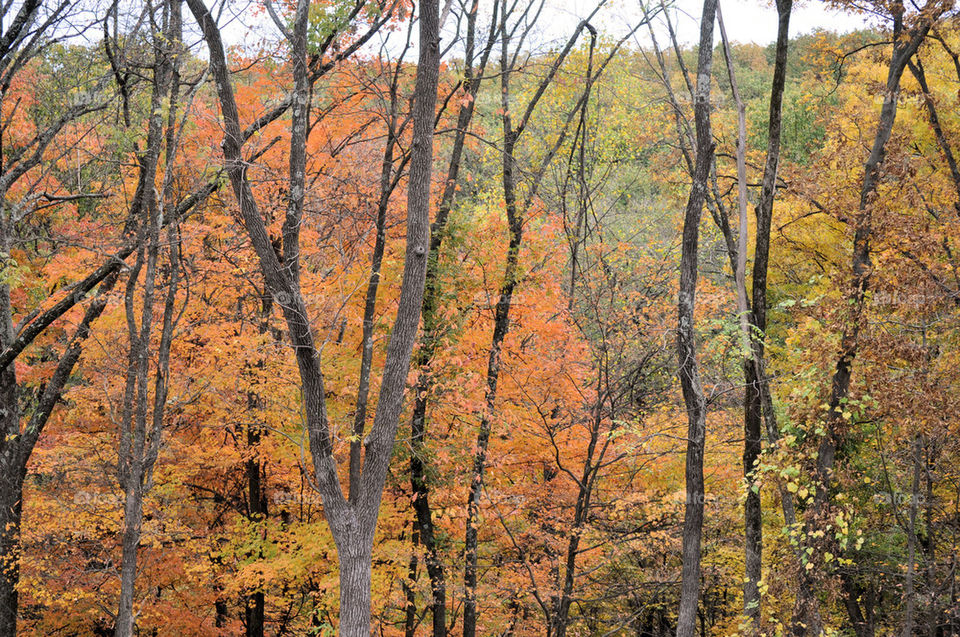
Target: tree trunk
[352, 523]
[355, 557]
[909, 592]
[432, 328]
[11, 501]
[501, 323]
[905, 45]
[254, 604]
[512, 130]
[752, 514]
[12, 469]
[688, 368]
[142, 422]
[17, 444]
[132, 518]
[410, 595]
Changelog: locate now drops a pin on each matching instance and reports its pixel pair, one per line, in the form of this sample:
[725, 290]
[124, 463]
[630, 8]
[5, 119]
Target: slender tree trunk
[11, 502]
[512, 130]
[930, 543]
[141, 426]
[19, 441]
[22, 39]
[432, 327]
[387, 184]
[905, 46]
[752, 514]
[471, 541]
[132, 516]
[254, 604]
[501, 323]
[561, 615]
[560, 618]
[758, 401]
[410, 595]
[909, 588]
[12, 468]
[688, 368]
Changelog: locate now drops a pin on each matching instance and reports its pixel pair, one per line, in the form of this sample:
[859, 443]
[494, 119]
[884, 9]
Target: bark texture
[432, 326]
[688, 367]
[352, 521]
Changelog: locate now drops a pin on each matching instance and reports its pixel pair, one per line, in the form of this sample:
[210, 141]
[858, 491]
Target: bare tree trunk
[557, 627]
[752, 514]
[688, 368]
[410, 596]
[356, 570]
[387, 184]
[501, 321]
[909, 590]
[13, 469]
[758, 399]
[432, 327]
[254, 604]
[142, 423]
[11, 494]
[132, 521]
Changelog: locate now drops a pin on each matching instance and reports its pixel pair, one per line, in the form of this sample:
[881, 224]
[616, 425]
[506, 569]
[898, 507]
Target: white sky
[753, 21]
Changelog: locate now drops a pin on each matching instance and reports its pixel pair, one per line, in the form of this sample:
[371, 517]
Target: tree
[141, 427]
[516, 208]
[26, 410]
[352, 523]
[432, 326]
[688, 371]
[908, 33]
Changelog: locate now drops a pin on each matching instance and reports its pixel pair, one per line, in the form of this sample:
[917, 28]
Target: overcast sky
[746, 21]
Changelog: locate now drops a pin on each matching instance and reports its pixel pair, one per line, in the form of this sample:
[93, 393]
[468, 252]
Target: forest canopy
[434, 318]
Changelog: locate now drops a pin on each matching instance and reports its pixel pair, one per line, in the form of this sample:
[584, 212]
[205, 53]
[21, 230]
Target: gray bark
[909, 587]
[432, 328]
[142, 424]
[688, 367]
[352, 523]
[387, 185]
[752, 513]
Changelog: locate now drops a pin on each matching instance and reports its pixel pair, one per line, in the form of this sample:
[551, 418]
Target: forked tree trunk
[352, 522]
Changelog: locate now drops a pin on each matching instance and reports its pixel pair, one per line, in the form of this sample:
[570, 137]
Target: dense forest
[452, 318]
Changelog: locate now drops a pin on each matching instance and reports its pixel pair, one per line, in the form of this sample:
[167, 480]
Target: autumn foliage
[582, 499]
